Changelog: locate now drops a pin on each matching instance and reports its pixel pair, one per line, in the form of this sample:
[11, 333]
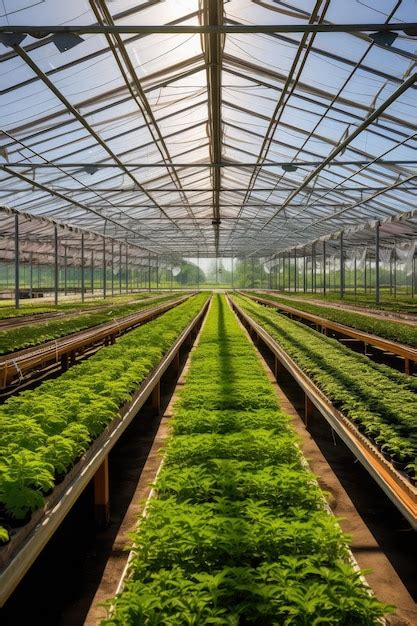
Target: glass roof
[210, 141]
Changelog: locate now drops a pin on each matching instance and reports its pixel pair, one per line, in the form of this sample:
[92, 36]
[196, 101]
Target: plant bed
[44, 432]
[35, 334]
[388, 329]
[239, 532]
[379, 401]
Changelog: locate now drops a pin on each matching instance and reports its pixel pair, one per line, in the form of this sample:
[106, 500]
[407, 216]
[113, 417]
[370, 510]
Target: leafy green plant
[45, 431]
[394, 330]
[34, 334]
[239, 532]
[379, 401]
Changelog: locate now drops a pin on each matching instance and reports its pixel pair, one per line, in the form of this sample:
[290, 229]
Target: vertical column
[304, 271]
[101, 494]
[377, 277]
[104, 269]
[120, 268]
[82, 268]
[355, 276]
[324, 268]
[127, 268]
[342, 267]
[30, 275]
[149, 272]
[65, 270]
[112, 268]
[16, 262]
[312, 267]
[395, 267]
[295, 271]
[157, 272]
[232, 273]
[198, 270]
[92, 272]
[56, 265]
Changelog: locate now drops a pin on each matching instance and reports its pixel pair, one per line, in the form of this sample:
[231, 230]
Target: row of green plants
[238, 532]
[401, 303]
[378, 399]
[35, 334]
[396, 331]
[36, 306]
[43, 432]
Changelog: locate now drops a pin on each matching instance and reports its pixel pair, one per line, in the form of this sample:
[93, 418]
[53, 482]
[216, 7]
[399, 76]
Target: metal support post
[65, 270]
[104, 269]
[56, 265]
[31, 275]
[92, 272]
[295, 271]
[342, 268]
[149, 272]
[82, 268]
[127, 269]
[377, 277]
[324, 268]
[16, 263]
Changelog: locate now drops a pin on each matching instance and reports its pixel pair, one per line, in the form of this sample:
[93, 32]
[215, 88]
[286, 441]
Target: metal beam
[236, 165]
[213, 51]
[216, 29]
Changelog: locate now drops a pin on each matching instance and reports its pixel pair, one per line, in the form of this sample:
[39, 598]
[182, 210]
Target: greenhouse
[208, 312]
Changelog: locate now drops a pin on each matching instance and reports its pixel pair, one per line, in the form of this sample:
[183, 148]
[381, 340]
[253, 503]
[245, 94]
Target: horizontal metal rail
[95, 29]
[60, 352]
[17, 556]
[399, 490]
[408, 353]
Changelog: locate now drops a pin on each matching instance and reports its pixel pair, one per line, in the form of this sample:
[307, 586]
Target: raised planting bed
[35, 334]
[35, 309]
[394, 331]
[378, 400]
[45, 432]
[239, 531]
[23, 367]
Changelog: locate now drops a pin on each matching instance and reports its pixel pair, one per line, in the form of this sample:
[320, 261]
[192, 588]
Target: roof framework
[203, 126]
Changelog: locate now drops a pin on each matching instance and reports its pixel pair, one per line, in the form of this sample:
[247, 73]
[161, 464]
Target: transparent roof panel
[215, 140]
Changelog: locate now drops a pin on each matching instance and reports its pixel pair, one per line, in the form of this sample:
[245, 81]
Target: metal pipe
[82, 268]
[149, 272]
[112, 268]
[65, 269]
[355, 276]
[207, 28]
[16, 263]
[104, 269]
[377, 276]
[120, 268]
[127, 269]
[324, 267]
[92, 272]
[56, 265]
[342, 268]
[30, 275]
